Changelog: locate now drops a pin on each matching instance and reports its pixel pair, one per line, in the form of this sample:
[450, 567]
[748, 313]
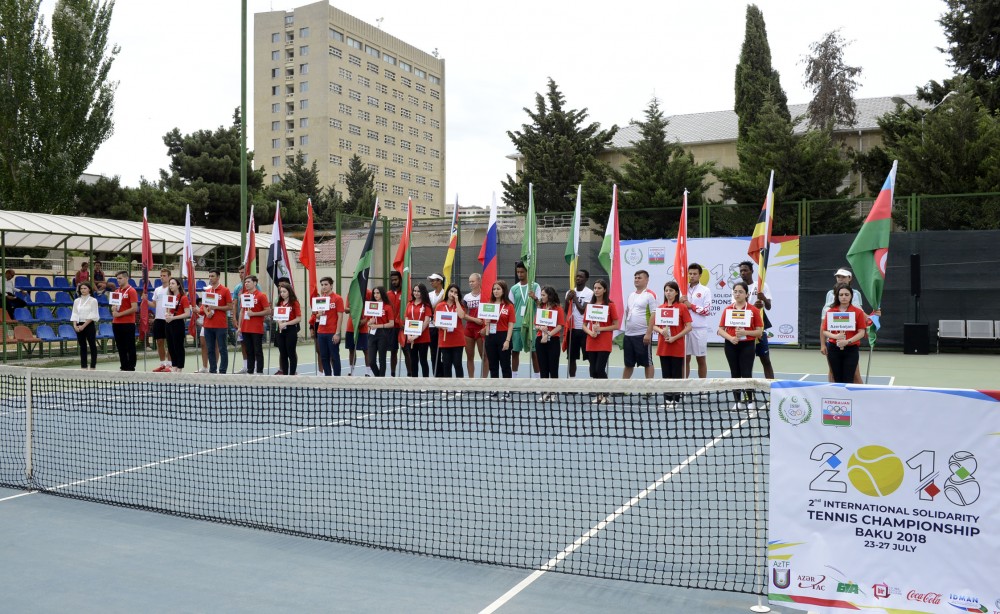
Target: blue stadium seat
[66, 333]
[102, 299]
[45, 315]
[21, 282]
[104, 331]
[63, 298]
[104, 313]
[61, 283]
[22, 314]
[43, 299]
[42, 283]
[63, 314]
[200, 285]
[46, 335]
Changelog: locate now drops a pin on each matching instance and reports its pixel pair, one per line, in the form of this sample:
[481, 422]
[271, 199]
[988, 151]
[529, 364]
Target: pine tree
[360, 188]
[833, 83]
[756, 80]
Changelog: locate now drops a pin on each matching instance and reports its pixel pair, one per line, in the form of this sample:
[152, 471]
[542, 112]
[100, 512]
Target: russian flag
[488, 253]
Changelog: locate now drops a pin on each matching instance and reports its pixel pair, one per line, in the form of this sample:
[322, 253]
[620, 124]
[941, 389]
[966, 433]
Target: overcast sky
[179, 64]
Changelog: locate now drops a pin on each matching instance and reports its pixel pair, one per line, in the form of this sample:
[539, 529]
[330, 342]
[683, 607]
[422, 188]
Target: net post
[760, 527]
[27, 424]
[760, 607]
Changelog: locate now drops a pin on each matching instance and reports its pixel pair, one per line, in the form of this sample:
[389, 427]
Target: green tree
[972, 28]
[360, 182]
[756, 80]
[205, 173]
[558, 153]
[833, 83]
[806, 166]
[295, 186]
[654, 177]
[106, 198]
[56, 101]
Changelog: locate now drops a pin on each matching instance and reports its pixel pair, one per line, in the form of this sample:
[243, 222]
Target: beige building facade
[332, 86]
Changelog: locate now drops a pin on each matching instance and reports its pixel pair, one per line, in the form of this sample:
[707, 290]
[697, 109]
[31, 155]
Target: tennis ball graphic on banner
[875, 471]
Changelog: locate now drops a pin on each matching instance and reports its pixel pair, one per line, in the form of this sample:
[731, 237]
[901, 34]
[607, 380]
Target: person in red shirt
[174, 318]
[670, 348]
[499, 334]
[123, 322]
[740, 342]
[600, 334]
[395, 293]
[416, 347]
[288, 330]
[843, 346]
[357, 341]
[254, 307]
[548, 341]
[451, 342]
[329, 328]
[382, 328]
[217, 321]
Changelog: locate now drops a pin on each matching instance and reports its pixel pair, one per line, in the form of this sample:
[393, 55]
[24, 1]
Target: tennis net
[665, 482]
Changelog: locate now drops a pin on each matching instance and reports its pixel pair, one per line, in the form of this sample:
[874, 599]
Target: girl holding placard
[255, 307]
[672, 322]
[451, 334]
[844, 325]
[178, 310]
[498, 315]
[600, 318]
[382, 325]
[287, 315]
[416, 330]
[741, 325]
[550, 320]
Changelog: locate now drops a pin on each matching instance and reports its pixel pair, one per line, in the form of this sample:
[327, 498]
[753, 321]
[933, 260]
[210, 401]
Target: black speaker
[915, 274]
[916, 338]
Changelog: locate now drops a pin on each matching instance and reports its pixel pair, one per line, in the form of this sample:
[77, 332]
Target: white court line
[803, 378]
[583, 539]
[23, 494]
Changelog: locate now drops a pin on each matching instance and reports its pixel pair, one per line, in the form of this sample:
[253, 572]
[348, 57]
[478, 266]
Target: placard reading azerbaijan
[720, 260]
[884, 499]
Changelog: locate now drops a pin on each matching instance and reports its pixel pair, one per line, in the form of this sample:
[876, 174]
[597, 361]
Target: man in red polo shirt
[254, 307]
[216, 321]
[123, 322]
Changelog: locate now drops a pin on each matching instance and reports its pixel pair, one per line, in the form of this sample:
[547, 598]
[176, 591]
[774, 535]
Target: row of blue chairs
[62, 314]
[65, 332]
[61, 283]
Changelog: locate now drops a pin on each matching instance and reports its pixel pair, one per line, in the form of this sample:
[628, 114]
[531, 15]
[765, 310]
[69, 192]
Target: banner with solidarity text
[884, 499]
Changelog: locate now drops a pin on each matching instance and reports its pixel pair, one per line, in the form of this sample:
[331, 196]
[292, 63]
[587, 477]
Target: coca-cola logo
[934, 598]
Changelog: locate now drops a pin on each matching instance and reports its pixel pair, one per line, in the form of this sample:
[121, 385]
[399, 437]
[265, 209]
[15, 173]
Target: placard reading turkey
[838, 321]
[596, 313]
[738, 318]
[668, 316]
[373, 309]
[489, 312]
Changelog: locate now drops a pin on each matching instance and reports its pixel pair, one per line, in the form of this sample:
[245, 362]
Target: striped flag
[251, 251]
[449, 258]
[278, 264]
[401, 262]
[610, 255]
[870, 251]
[188, 270]
[760, 242]
[488, 253]
[573, 241]
[359, 283]
[307, 257]
[681, 252]
[147, 264]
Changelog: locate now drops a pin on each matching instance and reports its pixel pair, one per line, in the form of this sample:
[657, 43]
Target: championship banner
[720, 260]
[884, 499]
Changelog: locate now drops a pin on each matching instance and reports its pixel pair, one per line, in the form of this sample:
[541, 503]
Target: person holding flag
[698, 301]
[399, 285]
[358, 292]
[523, 297]
[760, 294]
[575, 341]
[759, 297]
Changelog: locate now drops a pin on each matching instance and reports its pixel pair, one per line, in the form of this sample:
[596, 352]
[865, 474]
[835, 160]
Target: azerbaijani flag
[610, 253]
[449, 258]
[870, 250]
[307, 257]
[760, 242]
[573, 240]
[147, 264]
[488, 252]
[681, 251]
[188, 268]
[359, 283]
[401, 262]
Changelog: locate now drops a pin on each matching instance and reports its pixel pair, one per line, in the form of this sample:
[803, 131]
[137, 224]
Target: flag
[449, 258]
[529, 256]
[401, 263]
[251, 252]
[187, 266]
[488, 252]
[278, 264]
[307, 257]
[681, 252]
[573, 240]
[147, 264]
[359, 283]
[870, 250]
[760, 242]
[609, 255]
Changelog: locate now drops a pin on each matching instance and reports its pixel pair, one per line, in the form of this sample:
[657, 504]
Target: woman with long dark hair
[740, 340]
[843, 344]
[384, 328]
[416, 347]
[599, 333]
[176, 319]
[288, 330]
[451, 343]
[84, 318]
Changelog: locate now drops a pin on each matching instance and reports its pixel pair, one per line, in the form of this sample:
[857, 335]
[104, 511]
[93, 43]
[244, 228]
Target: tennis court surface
[586, 506]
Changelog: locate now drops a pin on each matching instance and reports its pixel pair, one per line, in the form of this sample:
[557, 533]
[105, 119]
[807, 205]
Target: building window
[398, 95]
[381, 121]
[406, 82]
[405, 113]
[389, 172]
[345, 108]
[421, 210]
[381, 88]
[345, 144]
[336, 52]
[303, 69]
[345, 74]
[419, 73]
[336, 160]
[435, 183]
[290, 143]
[397, 126]
[275, 179]
[289, 55]
[290, 125]
[364, 115]
[289, 20]
[421, 88]
[335, 123]
[421, 180]
[405, 66]
[420, 149]
[353, 43]
[372, 67]
[391, 108]
[413, 100]
[428, 106]
[397, 190]
[303, 86]
[435, 212]
[414, 163]
[414, 131]
[389, 75]
[276, 108]
[342, 178]
[290, 108]
[304, 139]
[372, 51]
[365, 81]
[364, 150]
[353, 59]
[275, 37]
[435, 124]
[436, 94]
[276, 161]
[275, 125]
[335, 35]
[303, 32]
[373, 101]
[428, 137]
[388, 58]
[389, 140]
[336, 88]
[428, 196]
[404, 175]
[397, 158]
[421, 119]
[275, 143]
[275, 73]
[435, 81]
[381, 154]
[428, 166]
[354, 129]
[303, 50]
[381, 187]
[372, 167]
[413, 194]
[435, 153]
[303, 122]
[373, 135]
[303, 104]
[275, 56]
[289, 89]
[353, 95]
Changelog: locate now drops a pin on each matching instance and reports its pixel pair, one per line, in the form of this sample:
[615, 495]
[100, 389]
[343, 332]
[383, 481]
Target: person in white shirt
[84, 317]
[761, 300]
[699, 303]
[843, 276]
[639, 309]
[435, 295]
[160, 321]
[576, 304]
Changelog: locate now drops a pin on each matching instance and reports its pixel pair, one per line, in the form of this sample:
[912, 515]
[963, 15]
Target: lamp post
[923, 113]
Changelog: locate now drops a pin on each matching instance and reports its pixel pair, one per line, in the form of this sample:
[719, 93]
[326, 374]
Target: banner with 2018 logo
[884, 499]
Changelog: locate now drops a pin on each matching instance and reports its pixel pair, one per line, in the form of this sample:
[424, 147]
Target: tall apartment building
[332, 86]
